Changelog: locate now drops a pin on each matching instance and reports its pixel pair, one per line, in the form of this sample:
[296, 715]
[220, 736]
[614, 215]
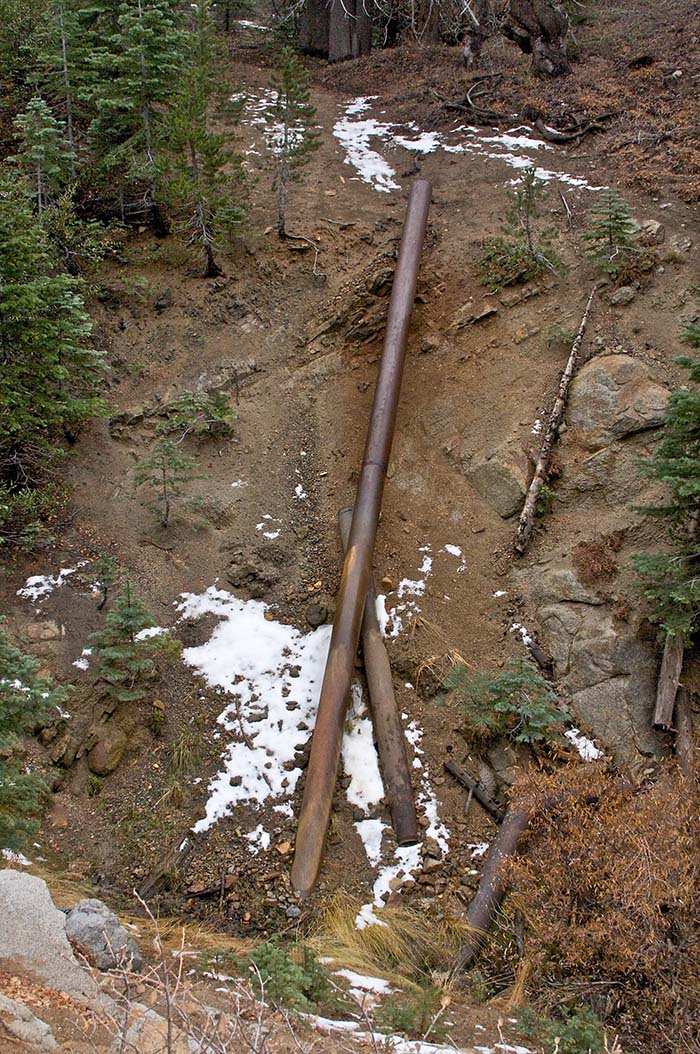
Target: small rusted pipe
[391, 740]
[328, 733]
[481, 911]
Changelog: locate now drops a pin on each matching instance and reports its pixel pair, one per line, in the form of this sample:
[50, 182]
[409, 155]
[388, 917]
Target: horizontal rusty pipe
[391, 740]
[328, 733]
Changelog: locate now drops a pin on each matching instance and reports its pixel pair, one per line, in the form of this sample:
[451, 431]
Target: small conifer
[292, 135]
[672, 578]
[613, 236]
[166, 471]
[25, 701]
[124, 647]
[43, 155]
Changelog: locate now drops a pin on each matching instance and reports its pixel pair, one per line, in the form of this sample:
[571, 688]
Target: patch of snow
[250, 659]
[150, 631]
[537, 427]
[38, 587]
[252, 25]
[585, 746]
[258, 839]
[372, 832]
[83, 662]
[15, 858]
[522, 632]
[499, 593]
[368, 984]
[360, 760]
[239, 483]
[453, 550]
[300, 492]
[479, 849]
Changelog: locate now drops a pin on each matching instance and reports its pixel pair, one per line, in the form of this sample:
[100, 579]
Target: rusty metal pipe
[391, 740]
[328, 733]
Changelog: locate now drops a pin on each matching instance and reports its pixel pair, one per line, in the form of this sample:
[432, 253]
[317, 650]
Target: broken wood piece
[475, 788]
[669, 679]
[684, 733]
[486, 900]
[391, 740]
[527, 517]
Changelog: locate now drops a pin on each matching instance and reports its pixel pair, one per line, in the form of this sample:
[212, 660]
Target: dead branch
[527, 517]
[476, 790]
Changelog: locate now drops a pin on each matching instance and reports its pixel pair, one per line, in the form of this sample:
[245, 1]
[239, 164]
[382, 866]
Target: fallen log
[481, 911]
[391, 739]
[527, 517]
[667, 686]
[684, 733]
[487, 804]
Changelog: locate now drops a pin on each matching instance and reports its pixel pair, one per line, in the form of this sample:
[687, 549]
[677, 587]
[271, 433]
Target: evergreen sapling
[26, 700]
[613, 236]
[166, 471]
[43, 155]
[125, 647]
[292, 136]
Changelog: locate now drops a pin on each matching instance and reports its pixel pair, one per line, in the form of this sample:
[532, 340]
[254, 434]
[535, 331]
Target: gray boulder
[96, 932]
[613, 397]
[499, 476]
[33, 937]
[24, 1026]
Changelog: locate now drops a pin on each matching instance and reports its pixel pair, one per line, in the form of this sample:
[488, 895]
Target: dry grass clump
[411, 947]
[609, 896]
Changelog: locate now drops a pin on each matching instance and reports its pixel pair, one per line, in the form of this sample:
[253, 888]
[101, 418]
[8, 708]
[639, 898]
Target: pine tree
[43, 154]
[125, 649]
[25, 701]
[49, 374]
[204, 174]
[166, 471]
[138, 63]
[526, 198]
[292, 136]
[613, 236]
[105, 573]
[64, 68]
[672, 578]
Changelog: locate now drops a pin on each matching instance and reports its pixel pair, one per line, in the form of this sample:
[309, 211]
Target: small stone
[165, 300]
[316, 615]
[97, 933]
[293, 912]
[388, 584]
[623, 296]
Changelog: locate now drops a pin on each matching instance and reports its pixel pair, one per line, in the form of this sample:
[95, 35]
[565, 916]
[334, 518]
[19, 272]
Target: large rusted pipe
[391, 740]
[328, 733]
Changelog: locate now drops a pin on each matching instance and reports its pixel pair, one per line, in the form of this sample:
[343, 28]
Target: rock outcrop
[613, 397]
[97, 934]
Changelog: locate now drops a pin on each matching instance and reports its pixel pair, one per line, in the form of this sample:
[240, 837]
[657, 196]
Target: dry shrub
[594, 559]
[609, 891]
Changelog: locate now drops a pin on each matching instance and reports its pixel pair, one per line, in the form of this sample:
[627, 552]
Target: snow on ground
[585, 746]
[15, 858]
[83, 662]
[360, 136]
[269, 522]
[254, 659]
[39, 587]
[391, 621]
[399, 1044]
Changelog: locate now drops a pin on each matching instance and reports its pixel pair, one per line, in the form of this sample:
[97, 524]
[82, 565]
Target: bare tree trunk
[67, 85]
[313, 28]
[527, 517]
[684, 733]
[480, 13]
[336, 29]
[667, 686]
[282, 199]
[539, 28]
